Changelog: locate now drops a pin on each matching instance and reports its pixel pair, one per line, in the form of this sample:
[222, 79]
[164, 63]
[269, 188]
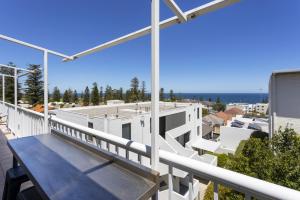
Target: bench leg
[10, 190]
[15, 162]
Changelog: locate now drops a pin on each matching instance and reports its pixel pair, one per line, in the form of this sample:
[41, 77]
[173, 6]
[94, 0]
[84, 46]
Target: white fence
[251, 187]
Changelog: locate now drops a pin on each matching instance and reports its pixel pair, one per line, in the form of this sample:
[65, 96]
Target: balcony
[23, 122]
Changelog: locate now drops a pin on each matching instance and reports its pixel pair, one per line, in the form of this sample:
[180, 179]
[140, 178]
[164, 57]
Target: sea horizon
[225, 97]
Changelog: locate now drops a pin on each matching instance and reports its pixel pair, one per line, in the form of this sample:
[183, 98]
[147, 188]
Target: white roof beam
[190, 14]
[7, 75]
[176, 10]
[11, 67]
[33, 46]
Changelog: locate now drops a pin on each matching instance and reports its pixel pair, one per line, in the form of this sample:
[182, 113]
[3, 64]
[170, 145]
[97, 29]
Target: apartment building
[284, 99]
[261, 108]
[180, 126]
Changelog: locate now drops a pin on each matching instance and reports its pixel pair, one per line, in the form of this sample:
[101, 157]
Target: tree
[134, 96]
[161, 94]
[108, 93]
[275, 160]
[219, 106]
[172, 96]
[86, 96]
[56, 96]
[67, 97]
[127, 96]
[143, 91]
[204, 112]
[75, 97]
[120, 94]
[95, 98]
[34, 90]
[101, 94]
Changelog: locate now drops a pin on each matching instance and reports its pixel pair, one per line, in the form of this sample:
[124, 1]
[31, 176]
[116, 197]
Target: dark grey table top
[62, 169]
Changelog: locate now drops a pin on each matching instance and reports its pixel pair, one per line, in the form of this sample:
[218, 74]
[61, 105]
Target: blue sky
[230, 50]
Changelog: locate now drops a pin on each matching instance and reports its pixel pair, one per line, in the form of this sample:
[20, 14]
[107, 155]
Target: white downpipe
[154, 82]
[46, 91]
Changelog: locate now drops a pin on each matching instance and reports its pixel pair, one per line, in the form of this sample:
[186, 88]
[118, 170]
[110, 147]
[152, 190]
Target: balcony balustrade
[23, 122]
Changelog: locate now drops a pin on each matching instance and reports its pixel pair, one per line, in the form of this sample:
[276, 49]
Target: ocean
[226, 97]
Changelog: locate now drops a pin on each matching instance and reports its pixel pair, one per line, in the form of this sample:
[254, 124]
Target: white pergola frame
[156, 25]
[154, 29]
[15, 76]
[45, 56]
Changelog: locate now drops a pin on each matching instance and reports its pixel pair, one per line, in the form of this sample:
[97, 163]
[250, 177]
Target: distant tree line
[95, 95]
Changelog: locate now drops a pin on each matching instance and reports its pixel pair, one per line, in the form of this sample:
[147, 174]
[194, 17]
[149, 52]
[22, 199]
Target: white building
[261, 108]
[284, 99]
[245, 107]
[180, 126]
[248, 108]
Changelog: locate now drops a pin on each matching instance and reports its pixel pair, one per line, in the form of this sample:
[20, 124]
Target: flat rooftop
[124, 110]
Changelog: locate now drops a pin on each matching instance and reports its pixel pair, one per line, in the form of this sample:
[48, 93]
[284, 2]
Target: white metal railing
[22, 122]
[250, 186]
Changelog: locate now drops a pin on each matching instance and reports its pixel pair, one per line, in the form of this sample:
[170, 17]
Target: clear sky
[233, 49]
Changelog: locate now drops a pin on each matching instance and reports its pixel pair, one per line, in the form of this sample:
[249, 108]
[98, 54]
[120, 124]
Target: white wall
[284, 89]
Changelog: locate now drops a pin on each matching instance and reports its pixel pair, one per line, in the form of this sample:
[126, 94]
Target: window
[126, 131]
[198, 113]
[90, 125]
[198, 130]
[189, 117]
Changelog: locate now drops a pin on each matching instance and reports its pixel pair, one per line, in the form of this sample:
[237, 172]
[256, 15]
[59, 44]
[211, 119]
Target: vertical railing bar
[216, 190]
[139, 158]
[191, 178]
[107, 146]
[127, 154]
[170, 182]
[247, 196]
[117, 150]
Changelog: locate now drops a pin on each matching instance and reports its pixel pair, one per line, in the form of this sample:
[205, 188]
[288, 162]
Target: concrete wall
[284, 91]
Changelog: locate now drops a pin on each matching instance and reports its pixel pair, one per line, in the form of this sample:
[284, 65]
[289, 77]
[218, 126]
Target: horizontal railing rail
[251, 187]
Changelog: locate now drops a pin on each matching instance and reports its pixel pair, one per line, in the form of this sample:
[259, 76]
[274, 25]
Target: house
[215, 122]
[234, 112]
[207, 131]
[284, 100]
[224, 116]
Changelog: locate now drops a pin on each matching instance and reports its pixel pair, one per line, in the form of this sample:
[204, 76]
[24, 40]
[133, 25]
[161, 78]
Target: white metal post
[16, 88]
[46, 91]
[154, 82]
[3, 89]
